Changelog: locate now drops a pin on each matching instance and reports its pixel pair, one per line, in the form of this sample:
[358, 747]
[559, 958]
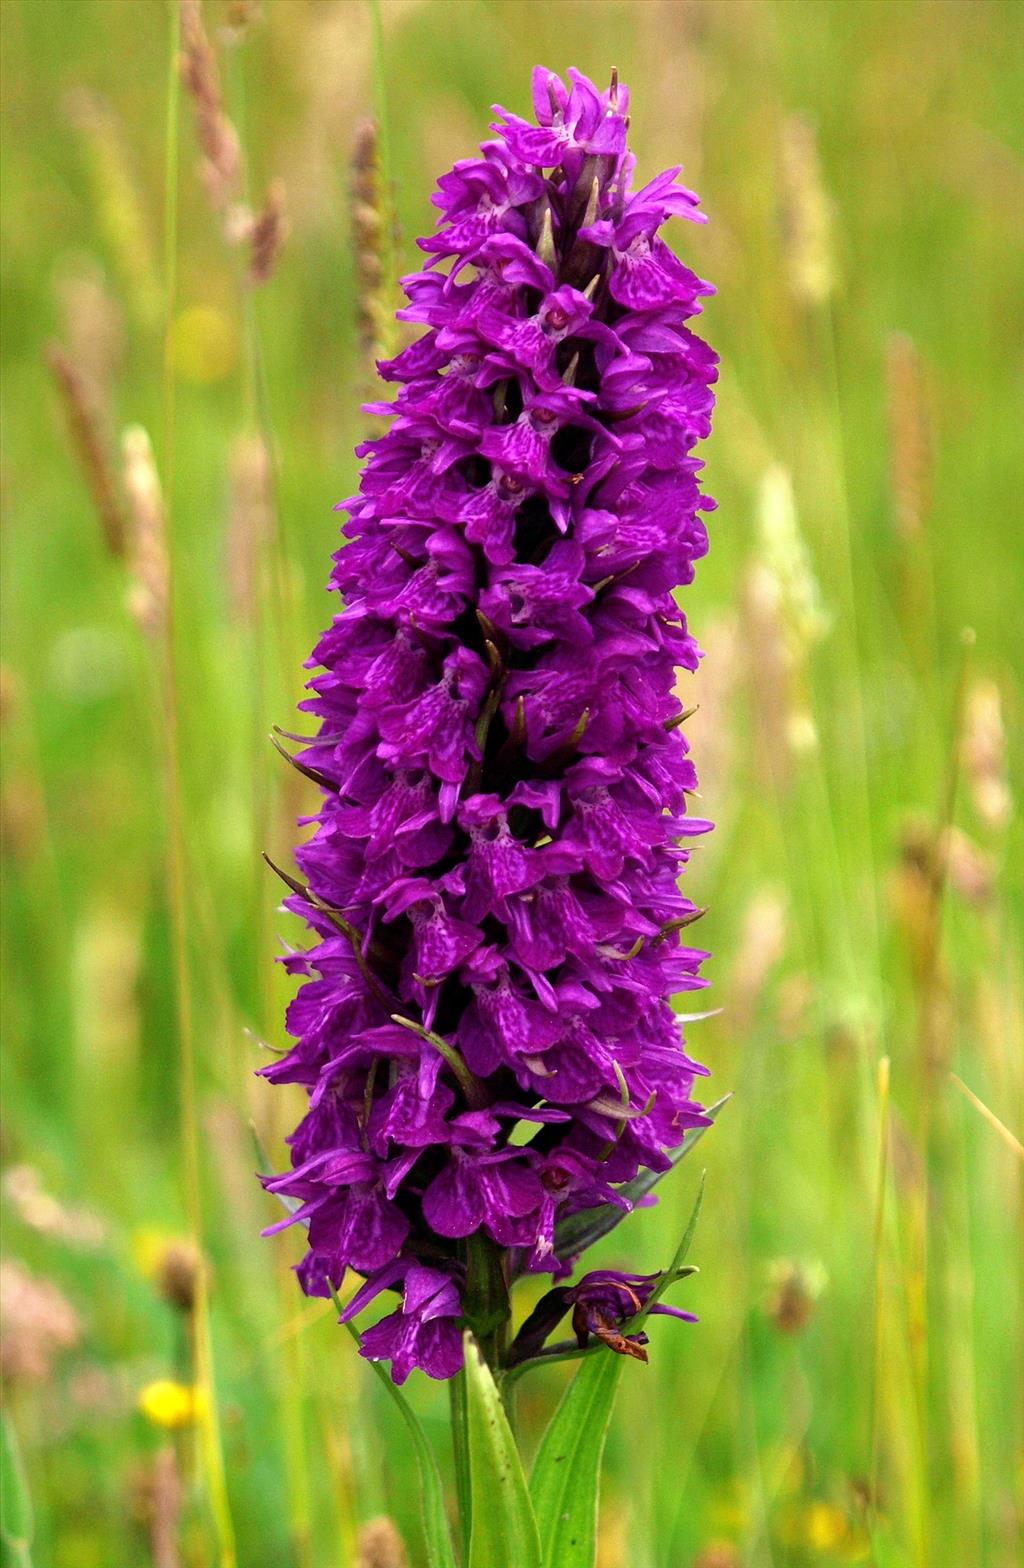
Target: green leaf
[503, 1529]
[675, 1269]
[435, 1521]
[15, 1504]
[580, 1231]
[566, 1480]
[566, 1477]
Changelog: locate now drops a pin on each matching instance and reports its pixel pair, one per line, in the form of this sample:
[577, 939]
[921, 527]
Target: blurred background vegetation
[852, 1393]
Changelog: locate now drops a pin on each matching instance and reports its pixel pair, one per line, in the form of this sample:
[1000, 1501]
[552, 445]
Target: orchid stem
[460, 1452]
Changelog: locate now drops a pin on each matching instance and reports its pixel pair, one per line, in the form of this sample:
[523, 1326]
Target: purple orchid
[485, 1029]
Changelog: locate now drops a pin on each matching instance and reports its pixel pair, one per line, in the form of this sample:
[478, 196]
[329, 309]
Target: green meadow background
[852, 1392]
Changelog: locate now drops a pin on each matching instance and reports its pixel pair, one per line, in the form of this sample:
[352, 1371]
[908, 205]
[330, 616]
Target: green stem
[487, 1312]
[485, 1305]
[565, 1350]
[460, 1452]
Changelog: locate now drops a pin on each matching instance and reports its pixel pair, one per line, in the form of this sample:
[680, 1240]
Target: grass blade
[1012, 1142]
[15, 1504]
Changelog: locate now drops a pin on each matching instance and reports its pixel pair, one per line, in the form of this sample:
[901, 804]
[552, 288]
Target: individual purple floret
[604, 1301]
[485, 1029]
[603, 1304]
[424, 1332]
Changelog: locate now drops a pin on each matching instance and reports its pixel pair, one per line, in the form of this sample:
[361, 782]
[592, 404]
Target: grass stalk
[1012, 1142]
[928, 1274]
[878, 1238]
[213, 1460]
[856, 647]
[269, 690]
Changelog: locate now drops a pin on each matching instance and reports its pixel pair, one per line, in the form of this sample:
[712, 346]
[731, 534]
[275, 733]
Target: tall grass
[851, 1392]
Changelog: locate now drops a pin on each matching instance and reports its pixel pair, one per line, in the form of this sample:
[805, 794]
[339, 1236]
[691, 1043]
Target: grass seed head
[805, 215]
[156, 1501]
[250, 518]
[84, 415]
[984, 756]
[380, 1545]
[910, 435]
[122, 214]
[267, 235]
[218, 139]
[240, 18]
[373, 245]
[150, 586]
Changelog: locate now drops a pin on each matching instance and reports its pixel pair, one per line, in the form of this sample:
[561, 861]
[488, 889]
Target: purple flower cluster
[485, 1031]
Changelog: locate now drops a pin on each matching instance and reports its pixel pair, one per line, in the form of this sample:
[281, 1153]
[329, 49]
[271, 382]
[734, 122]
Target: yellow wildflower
[172, 1405]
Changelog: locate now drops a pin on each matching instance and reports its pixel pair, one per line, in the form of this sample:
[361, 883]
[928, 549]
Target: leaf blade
[503, 1528]
[566, 1476]
[580, 1231]
[675, 1269]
